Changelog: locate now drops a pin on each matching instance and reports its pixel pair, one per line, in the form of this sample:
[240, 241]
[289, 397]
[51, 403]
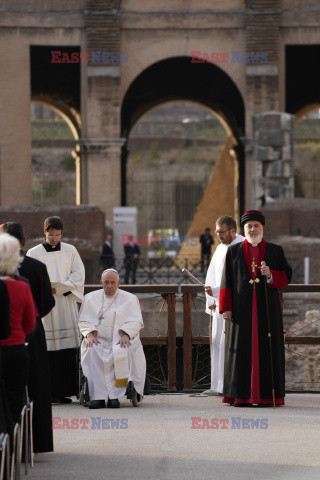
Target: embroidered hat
[252, 215]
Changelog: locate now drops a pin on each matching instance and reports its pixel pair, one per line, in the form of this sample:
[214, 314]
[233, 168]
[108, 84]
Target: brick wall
[84, 227]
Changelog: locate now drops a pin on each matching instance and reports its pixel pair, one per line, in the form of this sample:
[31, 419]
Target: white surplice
[213, 279]
[64, 266]
[120, 312]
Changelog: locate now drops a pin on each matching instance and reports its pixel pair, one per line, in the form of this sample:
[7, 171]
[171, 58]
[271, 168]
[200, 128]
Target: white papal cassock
[64, 266]
[108, 315]
[213, 279]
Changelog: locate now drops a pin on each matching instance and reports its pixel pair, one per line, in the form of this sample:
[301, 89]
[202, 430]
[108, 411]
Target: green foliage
[310, 148]
[195, 157]
[211, 128]
[136, 161]
[154, 151]
[68, 163]
[307, 128]
[50, 130]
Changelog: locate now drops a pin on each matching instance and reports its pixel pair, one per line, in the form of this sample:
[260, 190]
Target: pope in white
[226, 231]
[110, 320]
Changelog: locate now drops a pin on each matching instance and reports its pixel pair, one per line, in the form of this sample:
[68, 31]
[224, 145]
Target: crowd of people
[131, 258]
[44, 315]
[41, 326]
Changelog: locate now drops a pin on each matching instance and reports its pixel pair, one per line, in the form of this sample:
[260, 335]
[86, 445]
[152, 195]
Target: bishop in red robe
[249, 374]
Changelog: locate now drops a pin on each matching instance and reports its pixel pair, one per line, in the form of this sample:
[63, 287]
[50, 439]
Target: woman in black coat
[5, 330]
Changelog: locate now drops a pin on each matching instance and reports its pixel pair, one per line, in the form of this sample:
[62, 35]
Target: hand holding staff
[265, 270]
[207, 289]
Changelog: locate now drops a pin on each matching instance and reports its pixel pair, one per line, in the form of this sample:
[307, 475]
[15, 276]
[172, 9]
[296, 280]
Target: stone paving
[157, 441]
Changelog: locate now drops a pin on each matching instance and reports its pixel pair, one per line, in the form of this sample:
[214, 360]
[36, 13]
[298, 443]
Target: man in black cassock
[247, 372]
[39, 376]
[131, 259]
[206, 241]
[107, 259]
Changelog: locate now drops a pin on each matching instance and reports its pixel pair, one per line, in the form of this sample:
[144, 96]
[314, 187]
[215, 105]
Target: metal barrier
[16, 453]
[24, 438]
[30, 430]
[27, 435]
[5, 456]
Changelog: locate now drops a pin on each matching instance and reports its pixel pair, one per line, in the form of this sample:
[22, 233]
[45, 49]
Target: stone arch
[307, 154]
[177, 78]
[304, 111]
[69, 114]
[73, 120]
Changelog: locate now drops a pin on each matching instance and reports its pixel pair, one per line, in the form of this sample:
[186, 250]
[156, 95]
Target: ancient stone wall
[84, 227]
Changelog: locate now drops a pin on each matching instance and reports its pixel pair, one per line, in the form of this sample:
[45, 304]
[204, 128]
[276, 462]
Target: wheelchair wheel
[133, 395]
[136, 399]
[147, 386]
[84, 397]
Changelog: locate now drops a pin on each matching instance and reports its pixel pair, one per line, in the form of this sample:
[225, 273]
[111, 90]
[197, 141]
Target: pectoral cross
[253, 266]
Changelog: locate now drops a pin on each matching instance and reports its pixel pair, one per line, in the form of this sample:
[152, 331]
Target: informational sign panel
[124, 224]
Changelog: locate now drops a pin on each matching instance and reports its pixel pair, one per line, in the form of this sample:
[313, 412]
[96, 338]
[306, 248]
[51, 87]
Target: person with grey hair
[39, 378]
[15, 360]
[254, 270]
[110, 320]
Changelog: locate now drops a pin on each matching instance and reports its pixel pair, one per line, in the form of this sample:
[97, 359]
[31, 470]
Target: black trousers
[40, 391]
[63, 372]
[15, 369]
[205, 261]
[131, 265]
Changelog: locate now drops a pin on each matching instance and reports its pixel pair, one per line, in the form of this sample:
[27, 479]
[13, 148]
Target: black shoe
[97, 404]
[241, 404]
[113, 403]
[61, 400]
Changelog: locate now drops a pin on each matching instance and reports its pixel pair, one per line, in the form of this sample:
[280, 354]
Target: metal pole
[269, 335]
[306, 270]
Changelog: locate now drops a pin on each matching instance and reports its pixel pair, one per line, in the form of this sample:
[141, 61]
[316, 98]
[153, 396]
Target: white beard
[254, 241]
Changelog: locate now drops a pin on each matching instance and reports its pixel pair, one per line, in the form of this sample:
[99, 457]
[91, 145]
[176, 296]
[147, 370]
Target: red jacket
[22, 314]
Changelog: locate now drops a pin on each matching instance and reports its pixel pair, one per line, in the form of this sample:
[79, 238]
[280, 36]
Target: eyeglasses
[221, 232]
[54, 236]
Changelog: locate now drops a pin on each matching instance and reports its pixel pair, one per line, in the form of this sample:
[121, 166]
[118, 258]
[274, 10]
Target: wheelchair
[131, 393]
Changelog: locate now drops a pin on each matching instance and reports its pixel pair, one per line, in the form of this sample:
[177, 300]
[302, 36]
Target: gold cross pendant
[253, 266]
